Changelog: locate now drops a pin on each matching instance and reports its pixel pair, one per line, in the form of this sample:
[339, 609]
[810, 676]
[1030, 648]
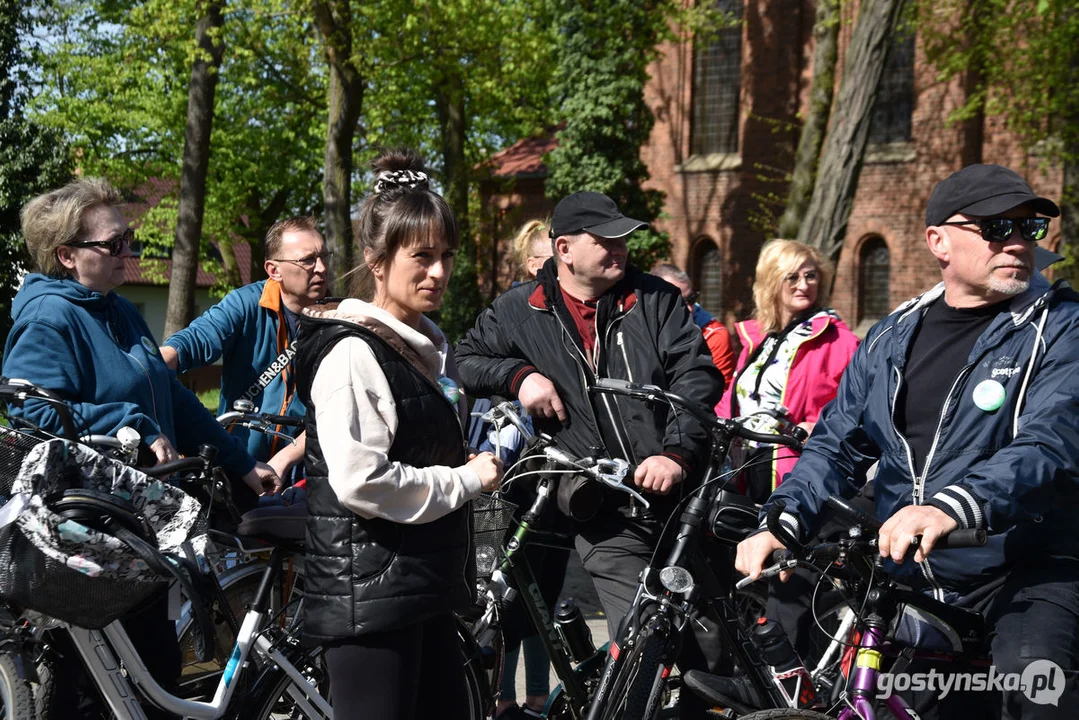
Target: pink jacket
[812, 382]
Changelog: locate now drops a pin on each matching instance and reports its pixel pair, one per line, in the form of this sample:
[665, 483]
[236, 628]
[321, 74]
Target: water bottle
[571, 625]
[790, 674]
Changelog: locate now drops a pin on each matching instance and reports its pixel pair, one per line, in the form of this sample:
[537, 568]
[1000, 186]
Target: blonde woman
[794, 351]
[531, 248]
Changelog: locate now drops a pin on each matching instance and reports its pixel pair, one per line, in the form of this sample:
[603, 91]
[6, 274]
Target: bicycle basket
[491, 517]
[14, 446]
[66, 570]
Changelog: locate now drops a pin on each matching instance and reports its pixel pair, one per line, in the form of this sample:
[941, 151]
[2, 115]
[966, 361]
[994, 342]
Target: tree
[803, 177]
[196, 159]
[1031, 87]
[605, 47]
[825, 221]
[33, 159]
[336, 24]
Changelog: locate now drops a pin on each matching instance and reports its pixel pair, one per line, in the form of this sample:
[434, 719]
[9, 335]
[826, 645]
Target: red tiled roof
[139, 202]
[138, 271]
[523, 158]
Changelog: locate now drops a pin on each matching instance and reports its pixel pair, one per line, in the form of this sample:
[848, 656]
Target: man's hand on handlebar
[755, 552]
[658, 474]
[163, 450]
[539, 397]
[263, 480]
[488, 467]
[896, 534]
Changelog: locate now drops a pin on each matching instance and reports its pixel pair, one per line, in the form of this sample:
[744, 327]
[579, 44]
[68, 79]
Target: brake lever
[612, 472]
[768, 572]
[265, 428]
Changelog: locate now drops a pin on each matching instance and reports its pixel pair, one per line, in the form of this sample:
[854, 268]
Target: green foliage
[113, 81]
[1019, 59]
[605, 47]
[33, 158]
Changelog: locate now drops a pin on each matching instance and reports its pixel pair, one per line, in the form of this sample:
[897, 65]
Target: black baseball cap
[983, 191]
[594, 213]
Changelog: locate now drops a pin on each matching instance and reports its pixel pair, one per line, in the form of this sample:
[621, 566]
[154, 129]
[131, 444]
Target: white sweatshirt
[357, 420]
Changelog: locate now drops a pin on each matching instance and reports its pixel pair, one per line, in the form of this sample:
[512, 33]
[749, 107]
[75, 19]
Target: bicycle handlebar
[702, 413]
[22, 390]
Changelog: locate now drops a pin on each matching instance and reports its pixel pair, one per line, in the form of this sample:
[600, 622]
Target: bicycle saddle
[963, 628]
[283, 526]
[732, 516]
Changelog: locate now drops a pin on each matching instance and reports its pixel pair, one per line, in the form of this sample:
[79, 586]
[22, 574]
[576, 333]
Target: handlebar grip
[285, 420]
[786, 440]
[853, 514]
[962, 539]
[173, 467]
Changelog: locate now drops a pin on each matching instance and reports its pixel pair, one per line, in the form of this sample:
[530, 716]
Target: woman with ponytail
[389, 479]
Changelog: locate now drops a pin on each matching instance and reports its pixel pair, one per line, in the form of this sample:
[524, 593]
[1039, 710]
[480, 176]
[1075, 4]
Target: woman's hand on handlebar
[163, 450]
[658, 474]
[926, 521]
[489, 469]
[755, 552]
[263, 480]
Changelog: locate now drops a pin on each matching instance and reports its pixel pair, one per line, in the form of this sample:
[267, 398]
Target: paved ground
[578, 586]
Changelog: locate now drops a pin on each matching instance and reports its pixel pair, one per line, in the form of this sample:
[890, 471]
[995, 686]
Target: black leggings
[412, 672]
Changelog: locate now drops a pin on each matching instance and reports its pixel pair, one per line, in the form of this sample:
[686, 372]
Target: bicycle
[636, 678]
[881, 601]
[575, 661]
[22, 640]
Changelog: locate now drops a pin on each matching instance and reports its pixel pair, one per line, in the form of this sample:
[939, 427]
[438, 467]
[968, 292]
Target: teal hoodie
[96, 352]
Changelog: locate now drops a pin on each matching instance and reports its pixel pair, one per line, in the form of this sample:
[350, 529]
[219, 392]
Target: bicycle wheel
[276, 697]
[785, 714]
[16, 695]
[635, 691]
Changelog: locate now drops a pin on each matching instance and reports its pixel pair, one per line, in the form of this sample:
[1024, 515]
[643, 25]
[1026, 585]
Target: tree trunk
[825, 223]
[200, 116]
[804, 175]
[450, 104]
[345, 102]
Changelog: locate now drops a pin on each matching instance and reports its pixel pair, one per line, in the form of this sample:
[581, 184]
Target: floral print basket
[66, 570]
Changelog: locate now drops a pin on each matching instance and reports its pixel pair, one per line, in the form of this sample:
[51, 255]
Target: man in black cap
[589, 315]
[968, 398]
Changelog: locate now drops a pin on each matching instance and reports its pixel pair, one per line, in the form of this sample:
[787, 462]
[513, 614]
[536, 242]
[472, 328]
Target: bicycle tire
[785, 714]
[638, 674]
[16, 695]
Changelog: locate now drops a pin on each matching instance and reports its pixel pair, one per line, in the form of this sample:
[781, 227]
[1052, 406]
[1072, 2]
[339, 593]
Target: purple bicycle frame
[865, 682]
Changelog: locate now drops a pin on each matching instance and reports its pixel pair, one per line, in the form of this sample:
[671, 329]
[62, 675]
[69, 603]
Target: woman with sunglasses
[794, 351]
[73, 335]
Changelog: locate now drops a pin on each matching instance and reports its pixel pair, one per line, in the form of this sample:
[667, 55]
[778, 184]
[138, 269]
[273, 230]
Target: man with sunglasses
[967, 398]
[253, 329]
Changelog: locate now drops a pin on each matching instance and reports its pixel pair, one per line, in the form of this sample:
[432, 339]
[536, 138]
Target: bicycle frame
[97, 651]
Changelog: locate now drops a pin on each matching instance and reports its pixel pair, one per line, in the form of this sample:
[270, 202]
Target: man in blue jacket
[254, 328]
[968, 397]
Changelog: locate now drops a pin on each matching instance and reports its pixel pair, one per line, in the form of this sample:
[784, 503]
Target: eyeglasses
[1000, 229]
[691, 298]
[114, 244]
[810, 276]
[309, 262]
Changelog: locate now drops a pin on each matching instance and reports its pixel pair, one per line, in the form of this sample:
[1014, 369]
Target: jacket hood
[37, 285]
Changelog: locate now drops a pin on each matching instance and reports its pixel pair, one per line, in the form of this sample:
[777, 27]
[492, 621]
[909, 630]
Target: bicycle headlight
[676, 579]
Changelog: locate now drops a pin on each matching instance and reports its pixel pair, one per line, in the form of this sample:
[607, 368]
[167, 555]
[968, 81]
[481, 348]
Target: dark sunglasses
[1000, 229]
[114, 244]
[691, 299]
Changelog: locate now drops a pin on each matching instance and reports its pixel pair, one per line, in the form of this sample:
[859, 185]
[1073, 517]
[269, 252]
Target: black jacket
[367, 575]
[645, 334]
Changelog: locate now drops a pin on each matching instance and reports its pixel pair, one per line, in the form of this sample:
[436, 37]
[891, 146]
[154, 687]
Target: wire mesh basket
[491, 518]
[14, 446]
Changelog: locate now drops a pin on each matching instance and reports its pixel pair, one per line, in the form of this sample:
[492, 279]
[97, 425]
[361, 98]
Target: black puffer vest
[369, 575]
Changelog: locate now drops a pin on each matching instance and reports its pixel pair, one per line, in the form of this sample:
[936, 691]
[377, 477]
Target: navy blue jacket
[1012, 471]
[96, 352]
